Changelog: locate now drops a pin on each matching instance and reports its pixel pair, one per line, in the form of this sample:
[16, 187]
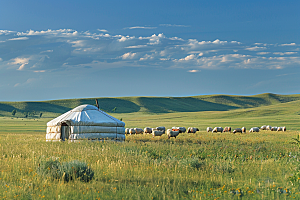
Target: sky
[63, 49]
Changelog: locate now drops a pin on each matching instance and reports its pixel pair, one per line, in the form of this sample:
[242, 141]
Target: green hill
[149, 105]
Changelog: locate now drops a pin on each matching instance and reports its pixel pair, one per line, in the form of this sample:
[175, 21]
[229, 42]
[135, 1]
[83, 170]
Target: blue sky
[73, 49]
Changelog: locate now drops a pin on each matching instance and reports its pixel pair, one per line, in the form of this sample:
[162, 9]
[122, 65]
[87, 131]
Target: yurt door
[65, 132]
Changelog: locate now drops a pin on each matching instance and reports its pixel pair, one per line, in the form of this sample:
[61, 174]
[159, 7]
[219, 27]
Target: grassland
[150, 105]
[192, 166]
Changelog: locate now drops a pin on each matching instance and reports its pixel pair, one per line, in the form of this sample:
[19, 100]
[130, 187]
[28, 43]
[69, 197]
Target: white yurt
[85, 122]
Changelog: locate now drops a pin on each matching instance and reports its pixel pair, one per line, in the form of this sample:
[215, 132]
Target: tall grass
[201, 165]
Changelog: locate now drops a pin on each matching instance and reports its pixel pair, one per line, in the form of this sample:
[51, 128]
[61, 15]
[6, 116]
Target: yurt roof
[86, 115]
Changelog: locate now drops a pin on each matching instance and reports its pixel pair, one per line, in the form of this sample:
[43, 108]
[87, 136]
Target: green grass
[197, 165]
[192, 166]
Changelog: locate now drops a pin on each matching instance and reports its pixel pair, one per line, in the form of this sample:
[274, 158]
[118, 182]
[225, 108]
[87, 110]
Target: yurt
[85, 122]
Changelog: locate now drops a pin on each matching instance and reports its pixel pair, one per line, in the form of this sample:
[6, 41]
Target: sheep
[274, 128]
[264, 127]
[283, 128]
[156, 132]
[181, 129]
[131, 131]
[126, 130]
[268, 128]
[147, 130]
[172, 133]
[138, 130]
[237, 130]
[192, 130]
[243, 129]
[161, 128]
[209, 129]
[254, 129]
[227, 129]
[217, 129]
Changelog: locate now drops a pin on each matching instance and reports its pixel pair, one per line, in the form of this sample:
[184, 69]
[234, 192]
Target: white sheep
[254, 129]
[171, 133]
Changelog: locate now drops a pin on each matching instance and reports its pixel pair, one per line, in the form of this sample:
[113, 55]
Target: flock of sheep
[243, 129]
[174, 132]
[159, 131]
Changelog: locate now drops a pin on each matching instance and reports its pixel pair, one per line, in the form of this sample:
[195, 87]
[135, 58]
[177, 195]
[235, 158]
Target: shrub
[192, 163]
[51, 169]
[66, 171]
[77, 170]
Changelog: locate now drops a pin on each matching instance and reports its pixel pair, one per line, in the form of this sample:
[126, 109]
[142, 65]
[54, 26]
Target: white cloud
[176, 38]
[6, 32]
[235, 42]
[276, 58]
[290, 53]
[260, 44]
[217, 41]
[128, 55]
[136, 47]
[22, 66]
[39, 71]
[20, 61]
[238, 56]
[262, 53]
[60, 32]
[189, 57]
[224, 59]
[19, 38]
[173, 25]
[78, 43]
[193, 71]
[47, 51]
[291, 44]
[123, 38]
[147, 57]
[284, 53]
[256, 48]
[102, 30]
[141, 27]
[247, 61]
[164, 59]
[210, 46]
[155, 39]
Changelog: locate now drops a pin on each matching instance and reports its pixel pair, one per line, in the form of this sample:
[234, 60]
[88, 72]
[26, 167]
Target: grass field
[192, 166]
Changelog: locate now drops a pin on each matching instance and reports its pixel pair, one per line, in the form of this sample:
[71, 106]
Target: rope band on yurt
[112, 119]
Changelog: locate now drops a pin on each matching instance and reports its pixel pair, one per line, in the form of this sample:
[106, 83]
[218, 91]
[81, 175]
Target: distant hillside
[148, 104]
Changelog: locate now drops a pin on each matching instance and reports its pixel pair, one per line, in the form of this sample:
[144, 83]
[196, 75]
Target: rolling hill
[154, 105]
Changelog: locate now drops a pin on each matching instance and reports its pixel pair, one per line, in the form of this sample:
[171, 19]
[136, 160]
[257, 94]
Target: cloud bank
[64, 49]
